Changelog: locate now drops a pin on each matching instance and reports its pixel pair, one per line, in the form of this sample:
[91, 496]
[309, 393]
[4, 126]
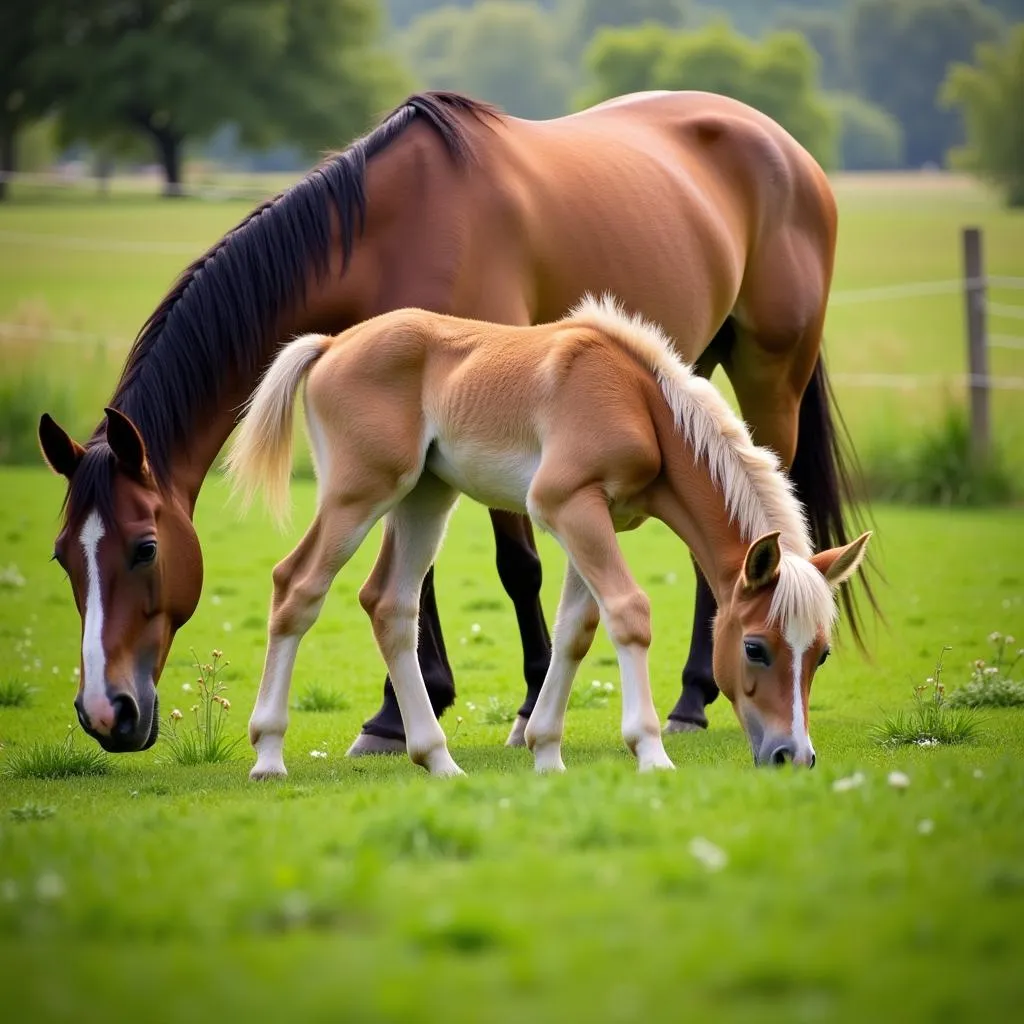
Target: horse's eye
[757, 652]
[145, 553]
[824, 656]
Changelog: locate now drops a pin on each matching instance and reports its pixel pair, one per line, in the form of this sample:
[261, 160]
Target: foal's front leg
[301, 583]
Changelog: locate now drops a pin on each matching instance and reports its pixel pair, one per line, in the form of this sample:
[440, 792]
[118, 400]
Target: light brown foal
[591, 425]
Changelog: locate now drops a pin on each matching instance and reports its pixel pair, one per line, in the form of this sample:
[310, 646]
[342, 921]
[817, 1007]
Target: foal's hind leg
[575, 625]
[391, 596]
[301, 583]
[584, 527]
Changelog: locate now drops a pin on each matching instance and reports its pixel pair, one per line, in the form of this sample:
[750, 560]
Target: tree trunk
[8, 157]
[168, 145]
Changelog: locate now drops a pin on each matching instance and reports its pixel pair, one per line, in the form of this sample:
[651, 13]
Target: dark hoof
[367, 745]
[673, 725]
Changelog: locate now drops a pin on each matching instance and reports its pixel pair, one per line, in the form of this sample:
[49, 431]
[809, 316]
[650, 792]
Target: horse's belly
[495, 478]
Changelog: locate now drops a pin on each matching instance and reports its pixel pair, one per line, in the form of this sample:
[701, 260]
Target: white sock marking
[93, 656]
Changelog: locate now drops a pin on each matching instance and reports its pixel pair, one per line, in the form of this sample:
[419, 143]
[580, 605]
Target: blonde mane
[758, 495]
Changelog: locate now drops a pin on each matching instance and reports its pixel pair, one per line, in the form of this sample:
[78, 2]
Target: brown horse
[590, 424]
[693, 209]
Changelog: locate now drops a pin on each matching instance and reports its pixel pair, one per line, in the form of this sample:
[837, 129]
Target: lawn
[366, 891]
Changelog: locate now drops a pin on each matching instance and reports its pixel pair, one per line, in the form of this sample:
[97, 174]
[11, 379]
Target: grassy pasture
[364, 891]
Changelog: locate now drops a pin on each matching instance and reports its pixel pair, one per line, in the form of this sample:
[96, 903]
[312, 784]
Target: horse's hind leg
[301, 583]
[575, 625]
[391, 597]
[584, 527]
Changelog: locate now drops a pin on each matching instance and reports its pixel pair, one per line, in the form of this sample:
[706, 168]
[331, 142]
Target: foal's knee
[577, 645]
[629, 619]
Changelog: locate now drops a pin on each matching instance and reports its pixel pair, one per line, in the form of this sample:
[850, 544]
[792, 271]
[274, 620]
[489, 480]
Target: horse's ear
[126, 443]
[61, 451]
[761, 566]
[837, 565]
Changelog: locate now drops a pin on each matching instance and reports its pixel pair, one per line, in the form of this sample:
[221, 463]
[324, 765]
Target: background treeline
[864, 84]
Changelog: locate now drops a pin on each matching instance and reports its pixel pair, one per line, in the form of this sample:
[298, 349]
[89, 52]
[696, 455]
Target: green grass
[367, 891]
[15, 693]
[45, 759]
[319, 698]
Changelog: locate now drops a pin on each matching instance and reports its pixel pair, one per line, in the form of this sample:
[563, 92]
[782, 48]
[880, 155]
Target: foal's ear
[126, 443]
[837, 565]
[761, 566]
[61, 451]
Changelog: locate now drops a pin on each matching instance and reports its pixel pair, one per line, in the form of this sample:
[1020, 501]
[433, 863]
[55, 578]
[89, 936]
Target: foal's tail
[261, 455]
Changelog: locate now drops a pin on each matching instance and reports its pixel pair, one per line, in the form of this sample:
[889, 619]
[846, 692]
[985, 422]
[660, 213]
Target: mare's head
[773, 635]
[136, 572]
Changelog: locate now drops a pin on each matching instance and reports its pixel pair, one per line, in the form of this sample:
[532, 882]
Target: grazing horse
[693, 209]
[590, 425]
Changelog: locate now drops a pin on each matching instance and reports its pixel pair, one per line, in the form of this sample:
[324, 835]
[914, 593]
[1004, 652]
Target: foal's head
[771, 637]
[136, 572]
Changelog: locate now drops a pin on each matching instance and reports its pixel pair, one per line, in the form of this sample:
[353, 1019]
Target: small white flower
[929, 681]
[991, 670]
[978, 773]
[926, 826]
[655, 803]
[227, 627]
[216, 599]
[1011, 640]
[848, 783]
[50, 886]
[670, 578]
[176, 715]
[470, 706]
[318, 753]
[475, 628]
[463, 641]
[504, 803]
[596, 684]
[995, 637]
[187, 687]
[712, 857]
[55, 670]
[458, 719]
[76, 671]
[609, 687]
[899, 780]
[928, 741]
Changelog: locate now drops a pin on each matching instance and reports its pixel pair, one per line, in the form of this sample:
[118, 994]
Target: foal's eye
[757, 652]
[824, 656]
[145, 553]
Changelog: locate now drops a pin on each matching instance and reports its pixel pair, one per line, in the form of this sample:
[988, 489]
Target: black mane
[217, 320]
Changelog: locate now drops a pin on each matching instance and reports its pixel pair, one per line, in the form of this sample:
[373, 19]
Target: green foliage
[498, 711]
[317, 697]
[827, 32]
[32, 812]
[932, 721]
[597, 14]
[204, 741]
[64, 760]
[777, 75]
[506, 53]
[585, 698]
[901, 50]
[23, 397]
[938, 468]
[15, 693]
[992, 686]
[990, 96]
[304, 71]
[869, 138]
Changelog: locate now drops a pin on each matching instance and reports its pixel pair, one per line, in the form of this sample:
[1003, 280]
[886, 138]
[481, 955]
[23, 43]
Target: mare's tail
[261, 455]
[826, 477]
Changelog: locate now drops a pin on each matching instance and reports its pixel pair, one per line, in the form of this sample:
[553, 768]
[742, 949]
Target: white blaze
[93, 656]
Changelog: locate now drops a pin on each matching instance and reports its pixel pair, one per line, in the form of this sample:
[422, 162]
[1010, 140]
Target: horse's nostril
[126, 715]
[782, 755]
[813, 760]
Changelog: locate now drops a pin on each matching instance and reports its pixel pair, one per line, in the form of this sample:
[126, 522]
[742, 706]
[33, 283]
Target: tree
[869, 138]
[901, 51]
[827, 32]
[170, 70]
[504, 52]
[596, 14]
[990, 95]
[777, 75]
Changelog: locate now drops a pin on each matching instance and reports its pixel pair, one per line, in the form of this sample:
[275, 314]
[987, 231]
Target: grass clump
[15, 693]
[317, 697]
[498, 711]
[61, 760]
[585, 698]
[932, 721]
[939, 468]
[21, 399]
[32, 812]
[991, 686]
[203, 742]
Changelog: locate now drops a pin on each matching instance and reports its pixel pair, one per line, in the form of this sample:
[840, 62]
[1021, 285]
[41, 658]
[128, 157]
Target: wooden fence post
[977, 340]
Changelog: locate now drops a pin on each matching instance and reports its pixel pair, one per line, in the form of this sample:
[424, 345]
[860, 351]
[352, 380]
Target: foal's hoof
[366, 745]
[517, 737]
[262, 772]
[674, 726]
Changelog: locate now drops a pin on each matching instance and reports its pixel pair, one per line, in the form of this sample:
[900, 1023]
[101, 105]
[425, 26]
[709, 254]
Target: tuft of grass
[317, 697]
[584, 698]
[61, 760]
[932, 721]
[203, 742]
[32, 812]
[21, 400]
[498, 711]
[15, 693]
[939, 468]
[991, 686]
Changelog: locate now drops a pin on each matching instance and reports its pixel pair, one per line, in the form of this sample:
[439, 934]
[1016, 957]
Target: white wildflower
[318, 753]
[49, 886]
[850, 782]
[670, 578]
[475, 628]
[228, 627]
[216, 599]
[187, 687]
[712, 857]
[926, 826]
[504, 803]
[1011, 640]
[978, 773]
[995, 637]
[470, 706]
[898, 780]
[928, 741]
